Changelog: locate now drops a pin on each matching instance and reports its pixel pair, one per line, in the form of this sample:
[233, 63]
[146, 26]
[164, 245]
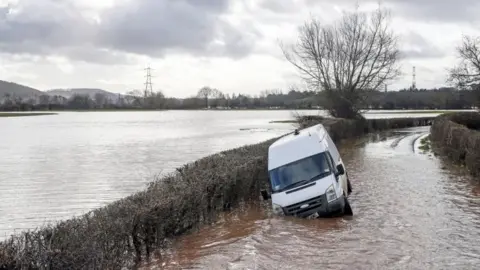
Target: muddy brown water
[412, 210]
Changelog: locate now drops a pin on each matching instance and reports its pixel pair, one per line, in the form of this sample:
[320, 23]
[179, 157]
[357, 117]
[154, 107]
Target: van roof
[294, 146]
[318, 130]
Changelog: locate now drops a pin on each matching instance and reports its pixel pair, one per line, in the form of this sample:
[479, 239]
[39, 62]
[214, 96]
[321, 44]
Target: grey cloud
[424, 10]
[155, 27]
[147, 27]
[280, 6]
[419, 47]
[417, 54]
[418, 10]
[218, 5]
[90, 54]
[43, 27]
[438, 10]
[56, 23]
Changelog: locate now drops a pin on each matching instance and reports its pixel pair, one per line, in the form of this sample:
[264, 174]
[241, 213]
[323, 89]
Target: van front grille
[296, 209]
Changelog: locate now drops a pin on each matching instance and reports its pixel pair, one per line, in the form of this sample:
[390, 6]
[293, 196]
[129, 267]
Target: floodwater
[412, 210]
[56, 167]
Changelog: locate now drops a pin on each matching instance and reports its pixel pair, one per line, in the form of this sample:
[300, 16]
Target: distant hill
[67, 93]
[17, 90]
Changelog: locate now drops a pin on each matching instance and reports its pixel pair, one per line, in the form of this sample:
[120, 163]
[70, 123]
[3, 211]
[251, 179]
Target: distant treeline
[443, 98]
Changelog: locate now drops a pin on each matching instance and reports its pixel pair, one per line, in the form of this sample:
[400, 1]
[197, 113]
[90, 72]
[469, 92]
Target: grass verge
[425, 144]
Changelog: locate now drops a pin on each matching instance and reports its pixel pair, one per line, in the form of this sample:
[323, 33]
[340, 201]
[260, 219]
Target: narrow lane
[412, 210]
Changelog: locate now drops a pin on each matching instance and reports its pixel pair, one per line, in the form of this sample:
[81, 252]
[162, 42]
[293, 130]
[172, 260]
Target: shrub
[457, 136]
[340, 129]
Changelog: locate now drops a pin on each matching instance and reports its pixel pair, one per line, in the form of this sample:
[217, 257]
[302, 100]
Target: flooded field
[411, 211]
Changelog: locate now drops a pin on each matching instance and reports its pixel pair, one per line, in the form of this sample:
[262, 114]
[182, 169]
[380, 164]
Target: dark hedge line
[129, 230]
[457, 135]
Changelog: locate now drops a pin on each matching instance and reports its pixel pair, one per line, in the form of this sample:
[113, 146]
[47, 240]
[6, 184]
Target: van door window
[331, 162]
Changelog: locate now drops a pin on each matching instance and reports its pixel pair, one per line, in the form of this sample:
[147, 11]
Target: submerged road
[412, 210]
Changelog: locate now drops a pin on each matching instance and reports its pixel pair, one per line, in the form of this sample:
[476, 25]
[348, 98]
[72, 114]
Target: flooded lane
[411, 211]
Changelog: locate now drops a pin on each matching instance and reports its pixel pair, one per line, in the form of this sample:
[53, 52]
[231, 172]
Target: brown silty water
[412, 210]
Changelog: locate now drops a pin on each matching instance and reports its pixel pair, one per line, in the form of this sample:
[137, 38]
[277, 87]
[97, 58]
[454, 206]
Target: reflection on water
[411, 211]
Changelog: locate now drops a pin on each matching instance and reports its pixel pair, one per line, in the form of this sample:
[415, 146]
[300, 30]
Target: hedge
[129, 230]
[457, 136]
[340, 129]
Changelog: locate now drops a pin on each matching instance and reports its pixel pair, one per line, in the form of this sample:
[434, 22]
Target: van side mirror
[266, 196]
[340, 170]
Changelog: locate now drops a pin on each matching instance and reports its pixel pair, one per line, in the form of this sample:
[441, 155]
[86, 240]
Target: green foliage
[425, 144]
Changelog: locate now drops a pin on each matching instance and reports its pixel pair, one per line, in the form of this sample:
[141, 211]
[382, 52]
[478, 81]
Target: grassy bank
[458, 137]
[130, 229]
[23, 114]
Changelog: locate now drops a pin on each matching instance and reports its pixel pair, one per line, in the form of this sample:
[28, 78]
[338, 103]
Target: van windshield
[300, 172]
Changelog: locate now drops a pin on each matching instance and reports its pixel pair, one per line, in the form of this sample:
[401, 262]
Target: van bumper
[325, 208]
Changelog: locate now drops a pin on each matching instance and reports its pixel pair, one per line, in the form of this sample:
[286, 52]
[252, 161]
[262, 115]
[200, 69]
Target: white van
[307, 175]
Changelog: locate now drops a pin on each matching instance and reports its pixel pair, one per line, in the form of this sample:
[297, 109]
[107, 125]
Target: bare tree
[155, 100]
[217, 98]
[467, 71]
[100, 99]
[466, 74]
[44, 99]
[357, 54]
[205, 93]
[134, 97]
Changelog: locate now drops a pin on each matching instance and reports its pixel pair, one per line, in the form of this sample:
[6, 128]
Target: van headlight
[277, 209]
[331, 194]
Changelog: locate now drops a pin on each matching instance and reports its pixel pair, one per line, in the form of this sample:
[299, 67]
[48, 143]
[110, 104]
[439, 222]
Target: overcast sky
[231, 45]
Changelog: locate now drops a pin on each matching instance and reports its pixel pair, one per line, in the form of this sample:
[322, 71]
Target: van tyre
[348, 209]
[349, 185]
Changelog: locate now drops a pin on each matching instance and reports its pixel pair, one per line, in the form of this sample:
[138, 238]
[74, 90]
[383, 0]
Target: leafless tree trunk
[357, 54]
[100, 99]
[466, 74]
[205, 93]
